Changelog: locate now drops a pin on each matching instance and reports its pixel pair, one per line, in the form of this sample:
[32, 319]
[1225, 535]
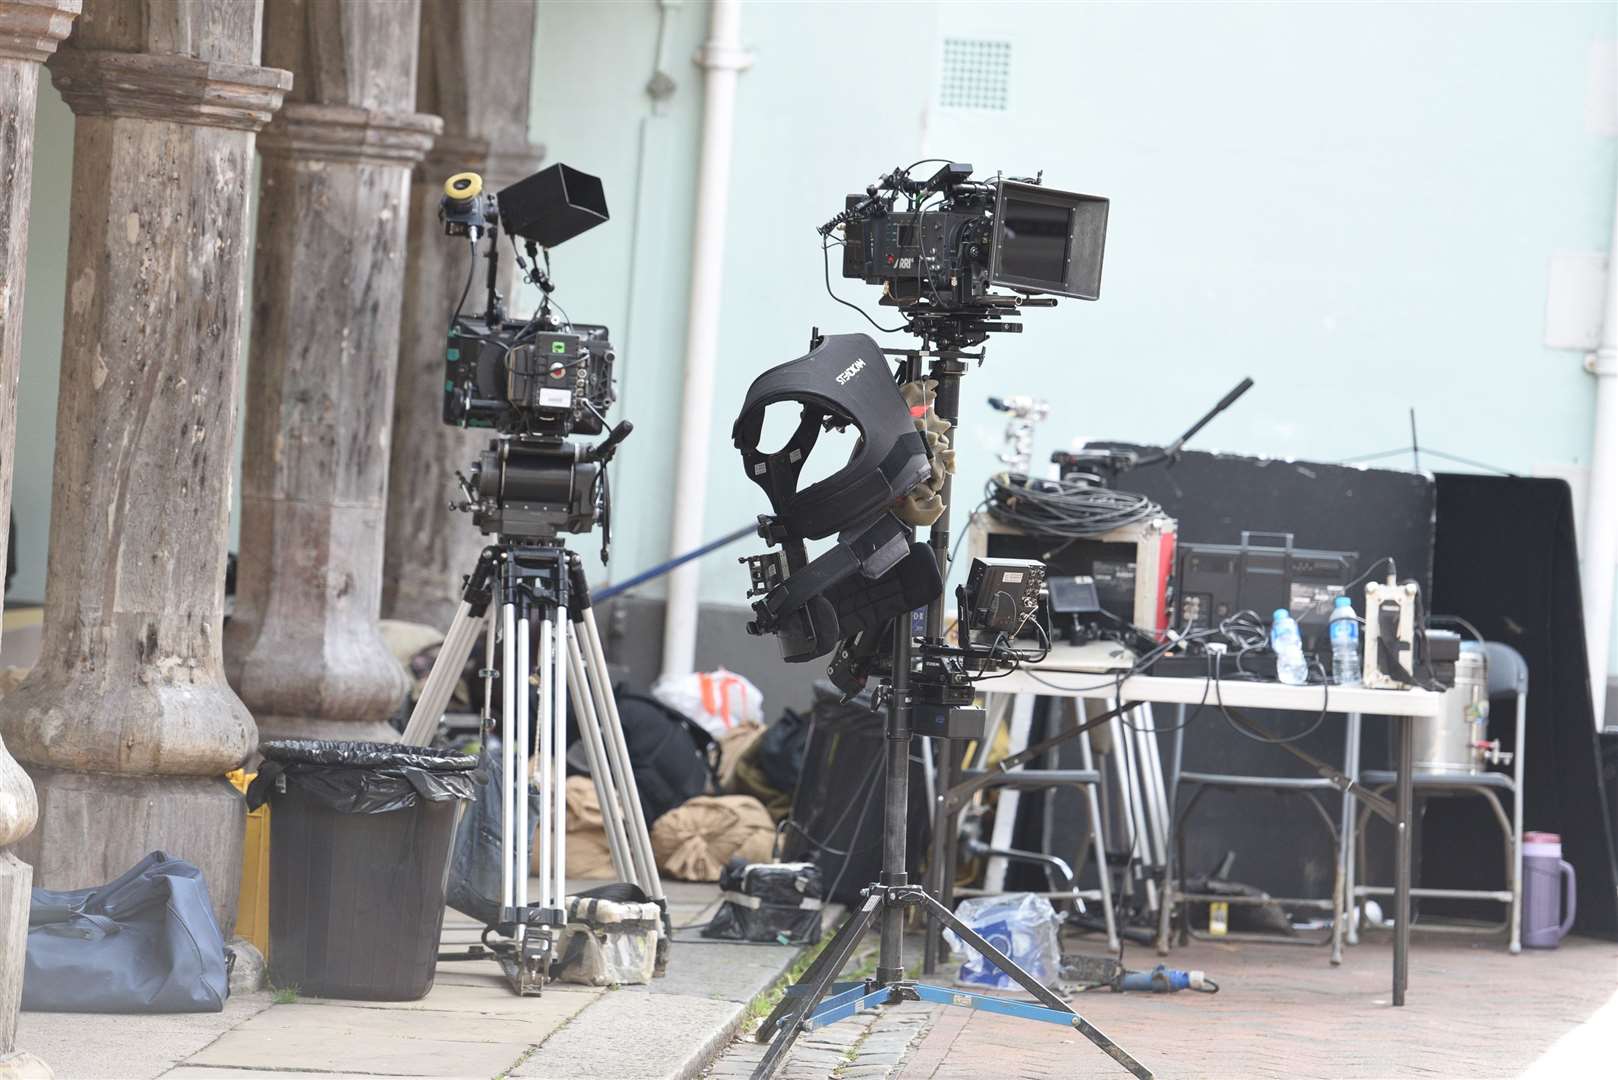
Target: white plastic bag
[1021, 925]
[720, 701]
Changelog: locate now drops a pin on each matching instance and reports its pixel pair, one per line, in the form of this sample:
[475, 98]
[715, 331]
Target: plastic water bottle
[1345, 643]
[1290, 667]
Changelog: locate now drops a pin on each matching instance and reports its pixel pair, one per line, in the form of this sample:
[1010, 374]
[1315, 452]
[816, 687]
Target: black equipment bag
[474, 867]
[671, 754]
[146, 942]
[774, 903]
[837, 806]
[781, 749]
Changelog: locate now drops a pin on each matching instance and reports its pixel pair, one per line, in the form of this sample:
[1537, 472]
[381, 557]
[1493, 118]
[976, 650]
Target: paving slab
[337, 1039]
[1284, 1012]
[94, 1046]
[478, 997]
[631, 1034]
[198, 1072]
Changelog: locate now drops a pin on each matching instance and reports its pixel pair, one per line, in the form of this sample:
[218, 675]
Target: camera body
[536, 381]
[518, 378]
[977, 236]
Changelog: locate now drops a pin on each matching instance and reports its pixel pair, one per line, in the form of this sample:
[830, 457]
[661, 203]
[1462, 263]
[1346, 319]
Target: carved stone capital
[308, 131]
[30, 29]
[167, 86]
[499, 164]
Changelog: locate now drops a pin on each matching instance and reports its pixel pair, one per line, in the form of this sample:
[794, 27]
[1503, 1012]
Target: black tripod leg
[1041, 993]
[787, 1019]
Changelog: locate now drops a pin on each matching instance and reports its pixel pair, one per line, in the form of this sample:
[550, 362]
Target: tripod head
[531, 489]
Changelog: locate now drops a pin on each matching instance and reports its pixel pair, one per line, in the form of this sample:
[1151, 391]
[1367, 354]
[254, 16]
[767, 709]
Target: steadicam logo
[850, 371]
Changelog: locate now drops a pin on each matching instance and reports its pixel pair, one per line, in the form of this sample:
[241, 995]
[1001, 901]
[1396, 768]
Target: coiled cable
[1069, 509]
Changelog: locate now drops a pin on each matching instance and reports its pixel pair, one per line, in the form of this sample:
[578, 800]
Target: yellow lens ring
[465, 185]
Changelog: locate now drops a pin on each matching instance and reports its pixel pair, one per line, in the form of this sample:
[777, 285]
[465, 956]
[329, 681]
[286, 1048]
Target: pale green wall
[41, 340]
[1353, 204]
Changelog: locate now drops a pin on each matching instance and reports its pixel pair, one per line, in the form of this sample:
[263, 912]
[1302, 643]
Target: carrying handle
[1570, 899]
[1251, 536]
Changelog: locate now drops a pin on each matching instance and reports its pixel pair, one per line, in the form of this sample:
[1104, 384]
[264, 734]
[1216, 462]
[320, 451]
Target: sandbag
[146, 942]
[693, 842]
[732, 747]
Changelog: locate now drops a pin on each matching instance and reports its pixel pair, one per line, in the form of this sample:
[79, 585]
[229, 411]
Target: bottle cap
[1282, 613]
[1343, 601]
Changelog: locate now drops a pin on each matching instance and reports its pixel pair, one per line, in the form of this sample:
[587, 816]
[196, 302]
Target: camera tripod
[541, 583]
[816, 1000]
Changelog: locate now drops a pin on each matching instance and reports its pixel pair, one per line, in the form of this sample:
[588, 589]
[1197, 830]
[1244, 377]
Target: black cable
[1462, 623]
[825, 263]
[1063, 508]
[471, 272]
[1274, 740]
[1369, 570]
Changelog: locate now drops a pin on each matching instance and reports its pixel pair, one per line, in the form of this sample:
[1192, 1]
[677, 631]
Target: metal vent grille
[976, 74]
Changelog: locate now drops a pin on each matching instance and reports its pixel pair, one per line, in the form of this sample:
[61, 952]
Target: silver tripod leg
[514, 684]
[440, 684]
[607, 798]
[555, 675]
[600, 684]
[508, 754]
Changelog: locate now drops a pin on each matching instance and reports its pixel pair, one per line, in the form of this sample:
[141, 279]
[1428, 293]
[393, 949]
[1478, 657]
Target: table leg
[1401, 905]
[942, 870]
[1351, 766]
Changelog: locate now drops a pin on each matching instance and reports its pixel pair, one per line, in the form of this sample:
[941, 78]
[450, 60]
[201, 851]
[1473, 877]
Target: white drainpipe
[1601, 519]
[722, 60]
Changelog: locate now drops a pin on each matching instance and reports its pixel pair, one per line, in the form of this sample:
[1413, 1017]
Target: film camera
[959, 238]
[535, 381]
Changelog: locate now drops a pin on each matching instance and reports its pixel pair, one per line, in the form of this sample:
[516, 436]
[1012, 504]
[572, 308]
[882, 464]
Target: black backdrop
[1280, 843]
[1507, 561]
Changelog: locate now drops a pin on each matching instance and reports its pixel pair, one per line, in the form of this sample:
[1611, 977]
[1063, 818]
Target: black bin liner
[360, 841]
[768, 902]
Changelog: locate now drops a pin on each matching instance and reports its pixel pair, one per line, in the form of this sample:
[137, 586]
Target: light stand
[815, 1000]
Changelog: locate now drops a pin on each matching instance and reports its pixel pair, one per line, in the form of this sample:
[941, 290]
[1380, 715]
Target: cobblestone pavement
[1472, 1010]
[871, 1046]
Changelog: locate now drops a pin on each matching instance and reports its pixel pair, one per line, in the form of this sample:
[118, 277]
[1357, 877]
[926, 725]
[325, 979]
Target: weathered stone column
[29, 32]
[302, 647]
[475, 66]
[126, 724]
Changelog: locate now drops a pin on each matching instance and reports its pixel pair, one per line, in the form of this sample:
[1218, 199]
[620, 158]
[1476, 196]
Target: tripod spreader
[815, 1000]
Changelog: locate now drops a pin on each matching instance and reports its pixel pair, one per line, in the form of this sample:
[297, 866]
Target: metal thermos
[1456, 740]
[1549, 891]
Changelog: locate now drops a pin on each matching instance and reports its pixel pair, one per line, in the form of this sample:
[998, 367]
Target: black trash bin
[360, 841]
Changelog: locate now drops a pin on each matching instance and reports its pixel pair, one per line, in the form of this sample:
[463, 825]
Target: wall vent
[976, 74]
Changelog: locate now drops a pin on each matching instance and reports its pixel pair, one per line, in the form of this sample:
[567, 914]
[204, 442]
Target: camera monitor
[1048, 241]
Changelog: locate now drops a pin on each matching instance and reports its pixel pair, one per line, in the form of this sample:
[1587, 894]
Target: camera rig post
[927, 689]
[535, 382]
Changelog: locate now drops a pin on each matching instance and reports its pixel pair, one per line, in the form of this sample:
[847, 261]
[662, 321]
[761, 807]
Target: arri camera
[535, 381]
[956, 240]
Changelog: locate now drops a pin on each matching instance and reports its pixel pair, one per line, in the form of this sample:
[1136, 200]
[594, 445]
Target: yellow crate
[253, 903]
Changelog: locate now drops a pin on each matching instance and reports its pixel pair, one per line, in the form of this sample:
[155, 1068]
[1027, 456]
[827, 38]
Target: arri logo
[850, 371]
[907, 262]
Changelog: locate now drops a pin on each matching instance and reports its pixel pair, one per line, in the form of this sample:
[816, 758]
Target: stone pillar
[302, 646]
[29, 31]
[475, 65]
[127, 725]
